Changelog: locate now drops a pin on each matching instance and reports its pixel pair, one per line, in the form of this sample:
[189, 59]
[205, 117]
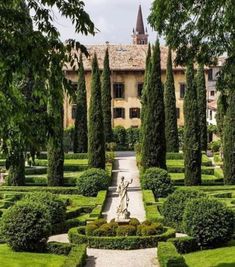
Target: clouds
[115, 20]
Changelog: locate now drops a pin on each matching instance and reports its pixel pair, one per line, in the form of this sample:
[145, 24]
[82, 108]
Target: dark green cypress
[154, 143]
[172, 139]
[192, 151]
[146, 75]
[55, 147]
[96, 141]
[229, 140]
[221, 111]
[106, 99]
[202, 105]
[80, 132]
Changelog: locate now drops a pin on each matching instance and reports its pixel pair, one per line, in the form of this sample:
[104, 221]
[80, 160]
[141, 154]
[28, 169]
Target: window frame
[137, 110]
[182, 84]
[122, 116]
[115, 90]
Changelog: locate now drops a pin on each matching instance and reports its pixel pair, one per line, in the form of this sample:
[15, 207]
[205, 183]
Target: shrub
[26, 226]
[209, 221]
[90, 228]
[185, 244]
[158, 181]
[148, 230]
[55, 206]
[100, 222]
[92, 181]
[126, 230]
[104, 230]
[168, 255]
[119, 134]
[215, 145]
[111, 146]
[135, 222]
[133, 137]
[58, 248]
[77, 236]
[173, 207]
[76, 257]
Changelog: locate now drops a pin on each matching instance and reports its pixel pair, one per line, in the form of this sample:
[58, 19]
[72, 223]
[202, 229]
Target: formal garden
[63, 196]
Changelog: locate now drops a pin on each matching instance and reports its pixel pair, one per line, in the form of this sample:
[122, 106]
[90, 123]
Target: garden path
[124, 165]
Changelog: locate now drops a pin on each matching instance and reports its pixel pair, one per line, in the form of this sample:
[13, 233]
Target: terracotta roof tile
[124, 57]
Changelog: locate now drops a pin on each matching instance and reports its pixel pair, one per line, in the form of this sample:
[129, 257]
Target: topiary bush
[92, 181]
[173, 207]
[26, 226]
[126, 230]
[55, 206]
[158, 181]
[209, 221]
[152, 229]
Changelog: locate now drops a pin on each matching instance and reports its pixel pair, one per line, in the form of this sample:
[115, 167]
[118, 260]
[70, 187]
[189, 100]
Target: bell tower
[140, 35]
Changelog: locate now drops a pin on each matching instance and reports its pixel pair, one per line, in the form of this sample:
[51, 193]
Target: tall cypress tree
[55, 147]
[172, 139]
[221, 111]
[96, 139]
[106, 99]
[201, 99]
[80, 131]
[154, 143]
[144, 94]
[192, 151]
[229, 140]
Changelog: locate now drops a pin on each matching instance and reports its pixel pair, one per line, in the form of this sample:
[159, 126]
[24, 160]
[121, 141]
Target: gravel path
[125, 165]
[122, 258]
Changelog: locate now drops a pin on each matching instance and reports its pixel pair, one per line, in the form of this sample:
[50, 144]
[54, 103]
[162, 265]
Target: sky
[115, 20]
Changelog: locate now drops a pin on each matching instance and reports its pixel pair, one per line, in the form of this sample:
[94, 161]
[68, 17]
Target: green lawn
[221, 257]
[9, 258]
[176, 176]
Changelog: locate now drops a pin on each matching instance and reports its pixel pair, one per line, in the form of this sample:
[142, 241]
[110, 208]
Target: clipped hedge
[58, 248]
[168, 255]
[174, 155]
[54, 190]
[151, 207]
[77, 236]
[76, 257]
[185, 244]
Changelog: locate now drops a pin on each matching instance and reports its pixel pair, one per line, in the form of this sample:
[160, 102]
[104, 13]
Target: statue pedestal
[122, 221]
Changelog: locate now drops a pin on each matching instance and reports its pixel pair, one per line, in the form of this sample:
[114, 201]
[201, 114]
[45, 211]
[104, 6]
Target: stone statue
[122, 210]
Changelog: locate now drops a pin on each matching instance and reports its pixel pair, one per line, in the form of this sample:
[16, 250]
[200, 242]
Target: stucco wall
[131, 100]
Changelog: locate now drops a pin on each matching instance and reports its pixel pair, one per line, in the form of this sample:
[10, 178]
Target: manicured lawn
[9, 258]
[79, 201]
[221, 257]
[176, 176]
[67, 162]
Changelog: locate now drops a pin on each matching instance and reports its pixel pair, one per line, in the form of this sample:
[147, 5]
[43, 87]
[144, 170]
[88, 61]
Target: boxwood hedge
[77, 236]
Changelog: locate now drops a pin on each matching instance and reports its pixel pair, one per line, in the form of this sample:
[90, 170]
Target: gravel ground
[122, 258]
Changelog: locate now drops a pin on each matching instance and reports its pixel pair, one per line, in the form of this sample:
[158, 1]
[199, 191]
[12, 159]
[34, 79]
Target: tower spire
[139, 22]
[139, 35]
